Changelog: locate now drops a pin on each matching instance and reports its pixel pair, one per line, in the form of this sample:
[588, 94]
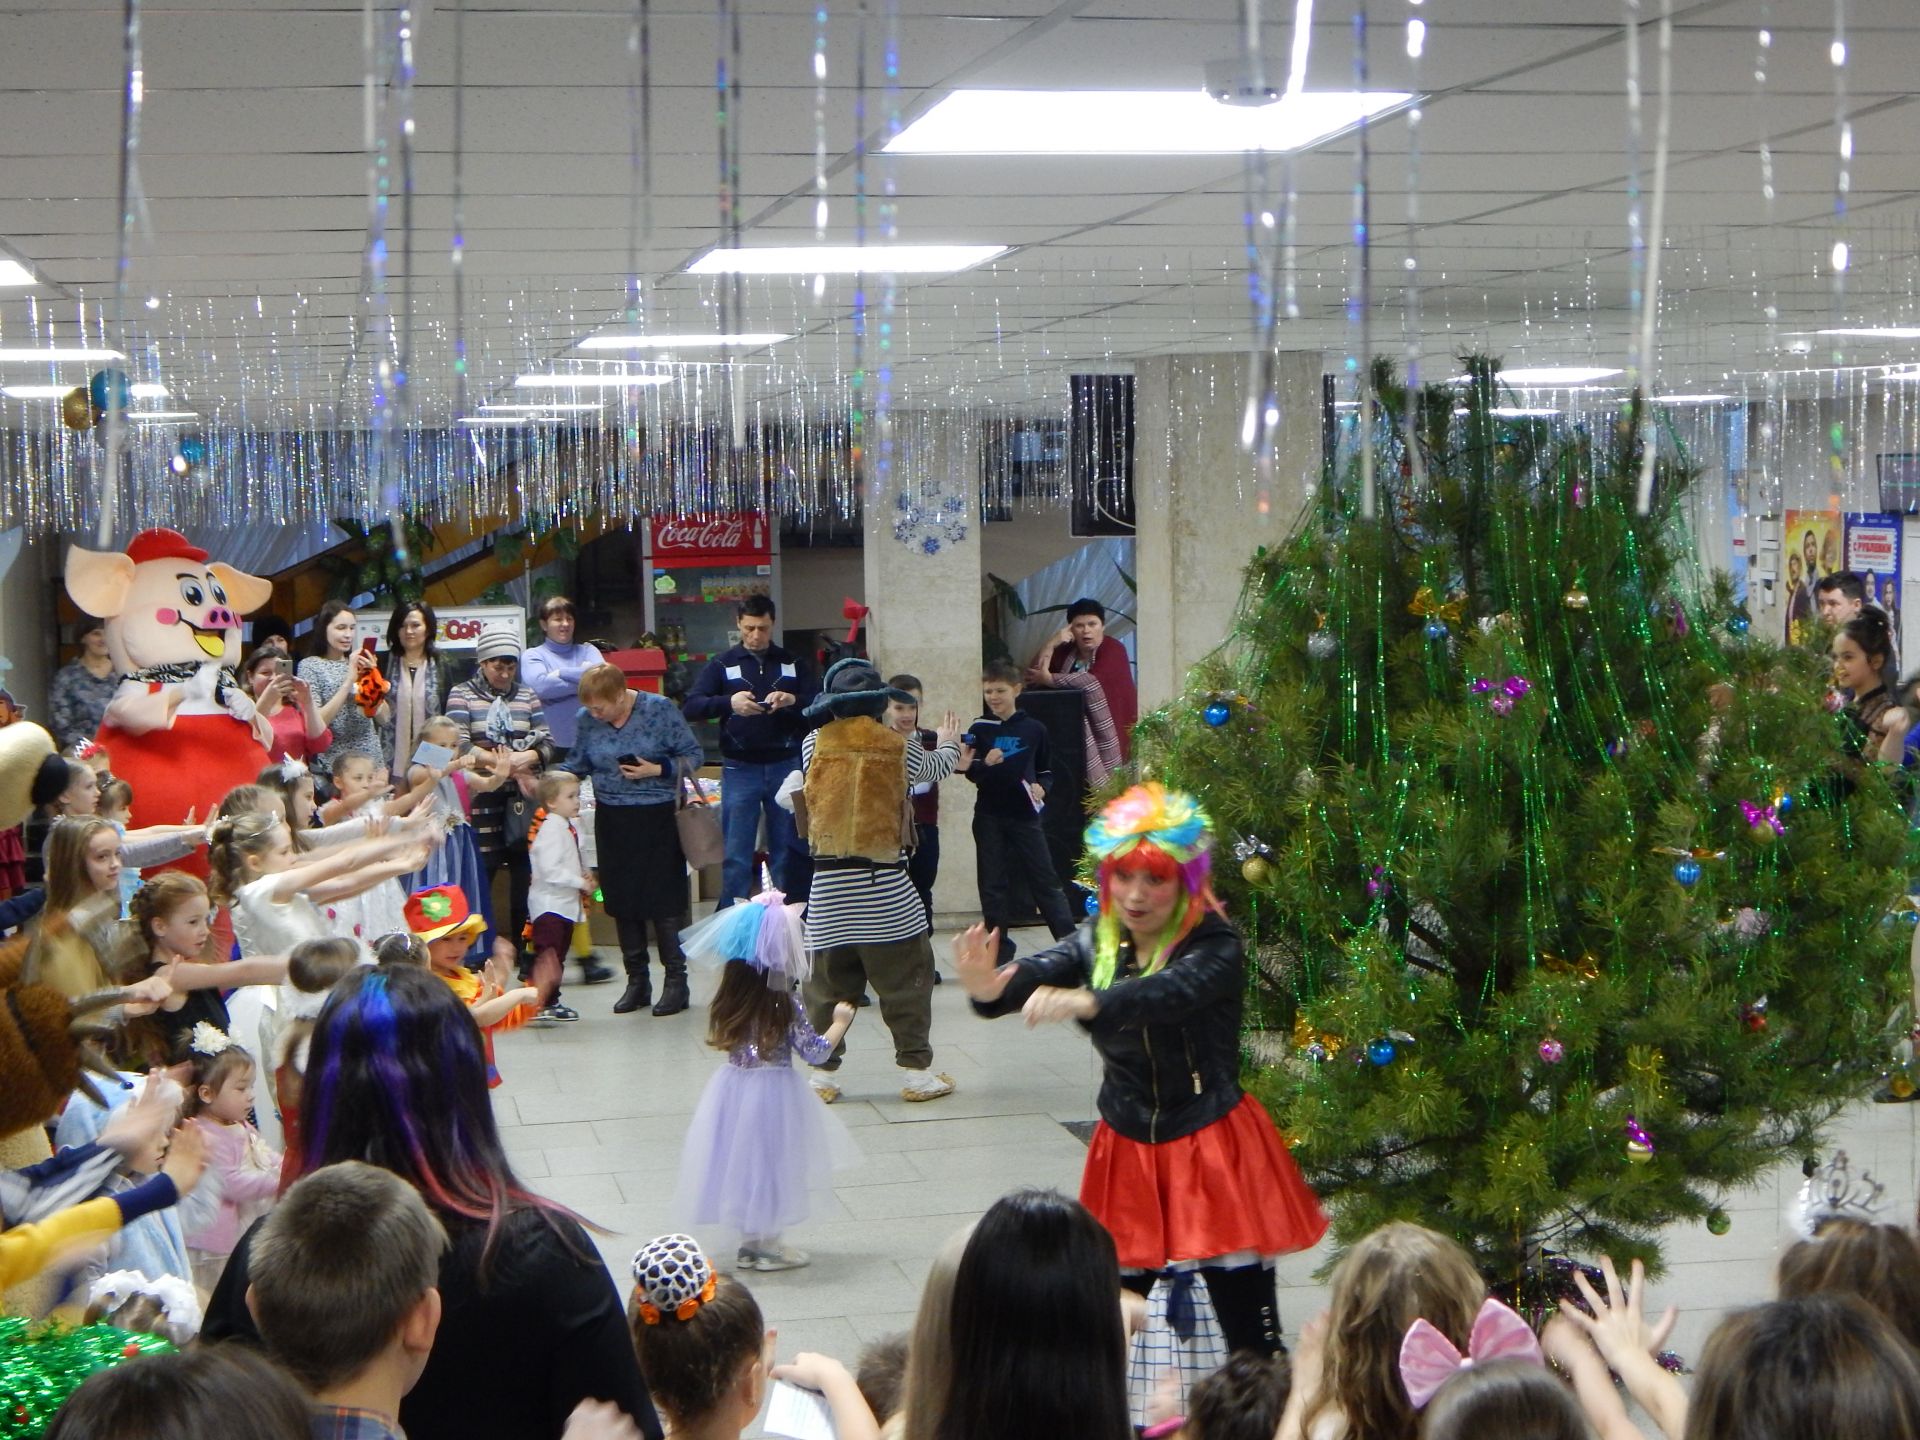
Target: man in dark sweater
[757, 692]
[1006, 756]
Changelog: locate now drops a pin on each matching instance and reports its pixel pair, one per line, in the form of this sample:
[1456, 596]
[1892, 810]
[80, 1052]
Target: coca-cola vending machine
[699, 567]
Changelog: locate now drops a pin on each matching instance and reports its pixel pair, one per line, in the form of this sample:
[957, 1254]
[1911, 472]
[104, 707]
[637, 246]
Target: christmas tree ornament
[1516, 686]
[76, 410]
[1256, 870]
[1217, 713]
[1763, 820]
[1379, 883]
[1754, 1015]
[1718, 1222]
[1501, 705]
[1576, 599]
[1783, 802]
[1552, 1051]
[1381, 1051]
[1321, 645]
[1738, 624]
[1687, 872]
[1639, 1143]
[1900, 1086]
[180, 465]
[1617, 748]
[1430, 607]
[1315, 1052]
[1437, 630]
[194, 449]
[108, 388]
[1480, 686]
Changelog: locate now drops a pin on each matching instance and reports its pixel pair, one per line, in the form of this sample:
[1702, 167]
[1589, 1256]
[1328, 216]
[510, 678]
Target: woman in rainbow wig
[1185, 1169]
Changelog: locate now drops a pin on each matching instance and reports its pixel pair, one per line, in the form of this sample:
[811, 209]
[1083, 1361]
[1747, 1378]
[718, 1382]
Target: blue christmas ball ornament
[1218, 713]
[1739, 625]
[193, 449]
[1381, 1051]
[1687, 872]
[1783, 802]
[1436, 629]
[109, 387]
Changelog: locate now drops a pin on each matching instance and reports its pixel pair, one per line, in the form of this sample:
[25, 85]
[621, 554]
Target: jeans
[746, 793]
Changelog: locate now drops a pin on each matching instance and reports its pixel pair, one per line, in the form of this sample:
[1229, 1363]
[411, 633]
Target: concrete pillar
[1201, 505]
[923, 591]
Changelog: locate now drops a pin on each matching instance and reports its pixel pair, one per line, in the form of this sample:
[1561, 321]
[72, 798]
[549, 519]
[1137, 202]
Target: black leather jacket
[1170, 1041]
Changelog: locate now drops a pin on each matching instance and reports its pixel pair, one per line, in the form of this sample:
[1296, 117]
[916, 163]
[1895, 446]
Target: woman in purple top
[552, 670]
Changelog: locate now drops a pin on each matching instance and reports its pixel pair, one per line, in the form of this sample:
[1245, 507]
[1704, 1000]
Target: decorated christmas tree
[1570, 912]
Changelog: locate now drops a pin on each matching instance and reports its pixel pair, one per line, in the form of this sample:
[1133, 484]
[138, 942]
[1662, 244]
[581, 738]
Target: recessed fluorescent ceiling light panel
[679, 342]
[60, 392]
[1878, 332]
[590, 382]
[844, 259]
[151, 415]
[1555, 376]
[1131, 122]
[12, 272]
[547, 407]
[1690, 399]
[511, 421]
[53, 354]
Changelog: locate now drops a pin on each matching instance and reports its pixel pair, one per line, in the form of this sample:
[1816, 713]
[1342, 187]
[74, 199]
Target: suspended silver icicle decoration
[1363, 244]
[133, 87]
[1647, 362]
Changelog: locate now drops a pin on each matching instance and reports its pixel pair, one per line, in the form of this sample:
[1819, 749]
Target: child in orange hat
[441, 917]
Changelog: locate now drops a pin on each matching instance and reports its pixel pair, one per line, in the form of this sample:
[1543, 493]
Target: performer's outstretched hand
[1051, 1004]
[975, 951]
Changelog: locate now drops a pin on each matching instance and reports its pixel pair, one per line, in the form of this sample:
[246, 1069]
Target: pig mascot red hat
[181, 729]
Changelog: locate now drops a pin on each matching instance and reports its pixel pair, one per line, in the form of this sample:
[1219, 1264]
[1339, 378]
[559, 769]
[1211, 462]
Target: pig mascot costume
[181, 729]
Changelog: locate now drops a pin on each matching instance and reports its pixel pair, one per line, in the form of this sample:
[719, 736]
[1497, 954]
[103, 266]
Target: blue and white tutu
[759, 1146]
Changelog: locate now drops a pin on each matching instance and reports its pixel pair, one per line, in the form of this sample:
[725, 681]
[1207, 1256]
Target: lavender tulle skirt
[759, 1147]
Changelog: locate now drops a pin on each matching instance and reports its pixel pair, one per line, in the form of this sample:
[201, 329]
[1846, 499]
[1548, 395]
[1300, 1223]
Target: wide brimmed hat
[854, 681]
[440, 911]
[24, 747]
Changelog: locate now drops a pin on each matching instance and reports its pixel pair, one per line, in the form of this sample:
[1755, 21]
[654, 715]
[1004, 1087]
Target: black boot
[633, 954]
[592, 972]
[673, 993]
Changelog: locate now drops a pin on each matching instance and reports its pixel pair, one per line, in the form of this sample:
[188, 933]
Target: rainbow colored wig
[1165, 833]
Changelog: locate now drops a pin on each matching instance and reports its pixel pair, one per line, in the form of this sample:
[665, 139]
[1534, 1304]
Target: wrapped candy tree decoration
[1538, 924]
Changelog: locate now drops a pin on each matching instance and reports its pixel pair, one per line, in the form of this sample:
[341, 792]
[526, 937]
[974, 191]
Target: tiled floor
[594, 1114]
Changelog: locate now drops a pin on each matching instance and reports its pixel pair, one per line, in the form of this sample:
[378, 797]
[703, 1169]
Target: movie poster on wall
[1873, 553]
[1812, 542]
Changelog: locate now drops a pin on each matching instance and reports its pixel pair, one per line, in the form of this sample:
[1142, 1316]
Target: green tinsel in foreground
[43, 1362]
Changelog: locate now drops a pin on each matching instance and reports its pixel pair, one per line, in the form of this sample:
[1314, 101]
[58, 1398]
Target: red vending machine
[698, 568]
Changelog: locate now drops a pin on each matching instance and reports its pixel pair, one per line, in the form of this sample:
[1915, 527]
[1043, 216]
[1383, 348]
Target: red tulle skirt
[13, 862]
[1227, 1187]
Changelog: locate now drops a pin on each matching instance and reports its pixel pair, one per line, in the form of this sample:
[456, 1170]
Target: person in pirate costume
[865, 924]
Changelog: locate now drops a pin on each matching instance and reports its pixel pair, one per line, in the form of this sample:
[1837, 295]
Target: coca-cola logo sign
[682, 536]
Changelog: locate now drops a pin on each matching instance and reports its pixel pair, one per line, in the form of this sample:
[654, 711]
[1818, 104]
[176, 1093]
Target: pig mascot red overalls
[181, 729]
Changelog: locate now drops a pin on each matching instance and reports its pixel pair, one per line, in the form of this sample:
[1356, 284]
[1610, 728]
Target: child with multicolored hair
[1185, 1169]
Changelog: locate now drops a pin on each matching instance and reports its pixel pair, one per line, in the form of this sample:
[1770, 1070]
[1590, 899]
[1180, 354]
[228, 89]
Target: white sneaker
[926, 1085]
[824, 1087]
[767, 1258]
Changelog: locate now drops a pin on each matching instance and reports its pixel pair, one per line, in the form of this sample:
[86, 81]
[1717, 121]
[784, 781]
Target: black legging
[1243, 1300]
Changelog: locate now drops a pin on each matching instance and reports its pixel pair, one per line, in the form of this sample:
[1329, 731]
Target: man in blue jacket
[757, 692]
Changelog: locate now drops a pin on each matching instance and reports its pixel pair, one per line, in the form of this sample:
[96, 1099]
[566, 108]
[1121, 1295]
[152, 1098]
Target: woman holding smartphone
[331, 671]
[298, 731]
[628, 743]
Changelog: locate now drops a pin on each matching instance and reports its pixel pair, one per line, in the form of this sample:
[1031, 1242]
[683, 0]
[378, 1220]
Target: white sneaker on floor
[926, 1085]
[824, 1087]
[768, 1258]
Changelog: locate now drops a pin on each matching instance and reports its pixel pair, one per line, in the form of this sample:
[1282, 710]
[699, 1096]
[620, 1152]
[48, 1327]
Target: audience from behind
[1877, 1264]
[222, 1390]
[1820, 1365]
[345, 1275]
[1503, 1400]
[397, 1078]
[930, 1347]
[1242, 1400]
[881, 1374]
[1347, 1369]
[1038, 1349]
[400, 948]
[702, 1345]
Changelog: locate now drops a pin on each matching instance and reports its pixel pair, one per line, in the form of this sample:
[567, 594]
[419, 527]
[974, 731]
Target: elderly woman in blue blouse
[628, 744]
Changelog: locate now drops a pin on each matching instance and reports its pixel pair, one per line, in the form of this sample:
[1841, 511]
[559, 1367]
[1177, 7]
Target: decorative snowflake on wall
[929, 518]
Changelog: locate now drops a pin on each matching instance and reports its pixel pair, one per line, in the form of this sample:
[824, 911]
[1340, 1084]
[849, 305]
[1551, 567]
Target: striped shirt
[877, 906]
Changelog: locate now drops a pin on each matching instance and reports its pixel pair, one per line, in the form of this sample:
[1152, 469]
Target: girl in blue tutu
[759, 1142]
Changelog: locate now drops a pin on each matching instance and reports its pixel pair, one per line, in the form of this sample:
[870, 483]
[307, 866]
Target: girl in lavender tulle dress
[760, 1142]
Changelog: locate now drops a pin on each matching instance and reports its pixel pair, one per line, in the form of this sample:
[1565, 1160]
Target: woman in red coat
[1082, 658]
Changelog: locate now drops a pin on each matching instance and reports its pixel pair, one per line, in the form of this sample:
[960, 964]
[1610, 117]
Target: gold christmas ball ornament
[1576, 599]
[76, 409]
[1901, 1087]
[1256, 870]
[1639, 1154]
